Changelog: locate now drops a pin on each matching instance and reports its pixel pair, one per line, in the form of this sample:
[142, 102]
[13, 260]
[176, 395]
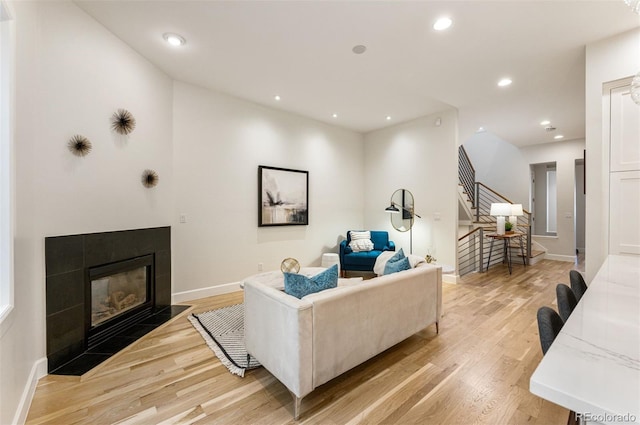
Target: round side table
[329, 259]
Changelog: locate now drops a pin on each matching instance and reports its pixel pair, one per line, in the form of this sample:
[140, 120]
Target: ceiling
[302, 51]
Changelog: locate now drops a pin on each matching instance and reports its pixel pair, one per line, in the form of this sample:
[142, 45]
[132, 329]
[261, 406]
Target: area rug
[223, 331]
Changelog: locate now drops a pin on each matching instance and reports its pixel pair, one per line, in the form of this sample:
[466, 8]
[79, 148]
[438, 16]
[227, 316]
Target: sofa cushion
[363, 258]
[299, 285]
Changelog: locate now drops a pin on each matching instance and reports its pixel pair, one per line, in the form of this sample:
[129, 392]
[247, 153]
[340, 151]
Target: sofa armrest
[391, 246]
[344, 250]
[278, 333]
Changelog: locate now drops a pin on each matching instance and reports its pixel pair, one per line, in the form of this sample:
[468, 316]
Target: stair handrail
[466, 174]
[477, 229]
[471, 249]
[507, 200]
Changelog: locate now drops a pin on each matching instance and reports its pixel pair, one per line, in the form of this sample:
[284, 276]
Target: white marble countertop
[593, 366]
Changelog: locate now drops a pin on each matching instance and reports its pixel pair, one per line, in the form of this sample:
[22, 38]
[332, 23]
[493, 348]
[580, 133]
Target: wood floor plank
[475, 371]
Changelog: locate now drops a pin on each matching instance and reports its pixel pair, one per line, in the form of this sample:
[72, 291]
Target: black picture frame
[283, 197]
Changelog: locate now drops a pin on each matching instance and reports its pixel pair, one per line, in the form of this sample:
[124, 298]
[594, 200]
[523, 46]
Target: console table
[506, 239]
[593, 366]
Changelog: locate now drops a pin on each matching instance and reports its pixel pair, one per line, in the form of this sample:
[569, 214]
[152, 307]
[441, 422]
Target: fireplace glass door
[117, 293]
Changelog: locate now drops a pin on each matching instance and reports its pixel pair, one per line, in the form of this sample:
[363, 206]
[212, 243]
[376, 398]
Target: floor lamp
[395, 208]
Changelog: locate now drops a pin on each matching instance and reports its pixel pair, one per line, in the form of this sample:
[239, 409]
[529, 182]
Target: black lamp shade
[392, 209]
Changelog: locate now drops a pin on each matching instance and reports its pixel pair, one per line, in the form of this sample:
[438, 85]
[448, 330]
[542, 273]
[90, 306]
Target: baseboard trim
[450, 278]
[558, 257]
[211, 291]
[38, 370]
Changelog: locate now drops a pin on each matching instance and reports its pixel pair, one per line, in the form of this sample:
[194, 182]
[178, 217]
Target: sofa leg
[296, 406]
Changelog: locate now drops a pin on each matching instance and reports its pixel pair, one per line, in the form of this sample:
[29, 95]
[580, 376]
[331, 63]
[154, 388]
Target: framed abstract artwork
[283, 197]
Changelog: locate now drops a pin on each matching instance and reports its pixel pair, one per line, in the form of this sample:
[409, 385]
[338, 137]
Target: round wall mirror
[402, 201]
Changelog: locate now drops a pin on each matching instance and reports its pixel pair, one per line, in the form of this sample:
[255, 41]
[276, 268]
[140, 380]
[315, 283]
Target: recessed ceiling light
[442, 23]
[388, 118]
[276, 97]
[174, 39]
[545, 122]
[335, 115]
[504, 82]
[359, 49]
[559, 136]
[481, 130]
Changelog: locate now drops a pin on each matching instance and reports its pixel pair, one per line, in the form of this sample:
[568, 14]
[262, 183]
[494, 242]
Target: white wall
[606, 60]
[421, 157]
[219, 141]
[564, 154]
[499, 165]
[71, 75]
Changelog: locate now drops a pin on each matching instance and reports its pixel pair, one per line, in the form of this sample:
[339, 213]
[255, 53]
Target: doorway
[544, 199]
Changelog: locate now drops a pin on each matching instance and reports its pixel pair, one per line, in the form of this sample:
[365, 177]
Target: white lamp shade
[500, 210]
[516, 209]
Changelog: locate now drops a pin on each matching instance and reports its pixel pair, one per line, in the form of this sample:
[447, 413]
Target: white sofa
[307, 342]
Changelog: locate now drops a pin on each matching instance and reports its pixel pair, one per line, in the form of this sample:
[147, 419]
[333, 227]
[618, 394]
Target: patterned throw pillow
[397, 263]
[397, 266]
[300, 285]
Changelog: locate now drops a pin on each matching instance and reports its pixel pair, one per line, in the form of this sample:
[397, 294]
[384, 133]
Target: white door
[624, 174]
[625, 131]
[624, 213]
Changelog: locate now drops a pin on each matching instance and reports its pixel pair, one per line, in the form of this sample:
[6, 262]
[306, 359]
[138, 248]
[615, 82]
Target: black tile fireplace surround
[72, 344]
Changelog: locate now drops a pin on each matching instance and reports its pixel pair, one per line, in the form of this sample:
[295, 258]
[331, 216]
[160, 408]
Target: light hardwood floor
[476, 371]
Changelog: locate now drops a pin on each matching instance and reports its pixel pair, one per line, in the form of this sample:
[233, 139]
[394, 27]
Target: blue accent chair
[364, 261]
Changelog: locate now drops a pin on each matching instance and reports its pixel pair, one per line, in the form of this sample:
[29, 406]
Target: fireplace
[103, 291]
[118, 294]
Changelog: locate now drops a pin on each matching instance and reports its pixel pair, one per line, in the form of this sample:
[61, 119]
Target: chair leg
[437, 328]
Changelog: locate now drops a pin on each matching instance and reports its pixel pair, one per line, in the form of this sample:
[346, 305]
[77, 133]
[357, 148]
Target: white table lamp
[500, 211]
[516, 211]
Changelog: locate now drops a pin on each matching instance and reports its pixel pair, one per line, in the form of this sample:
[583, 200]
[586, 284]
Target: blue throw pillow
[300, 285]
[397, 263]
[397, 256]
[397, 266]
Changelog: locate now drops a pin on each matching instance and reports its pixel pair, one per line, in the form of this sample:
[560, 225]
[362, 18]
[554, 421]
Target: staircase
[475, 200]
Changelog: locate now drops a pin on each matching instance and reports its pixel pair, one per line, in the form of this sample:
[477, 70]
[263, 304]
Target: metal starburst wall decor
[79, 145]
[123, 122]
[149, 178]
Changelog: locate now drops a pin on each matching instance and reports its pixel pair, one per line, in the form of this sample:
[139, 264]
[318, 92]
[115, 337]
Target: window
[552, 222]
[6, 163]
